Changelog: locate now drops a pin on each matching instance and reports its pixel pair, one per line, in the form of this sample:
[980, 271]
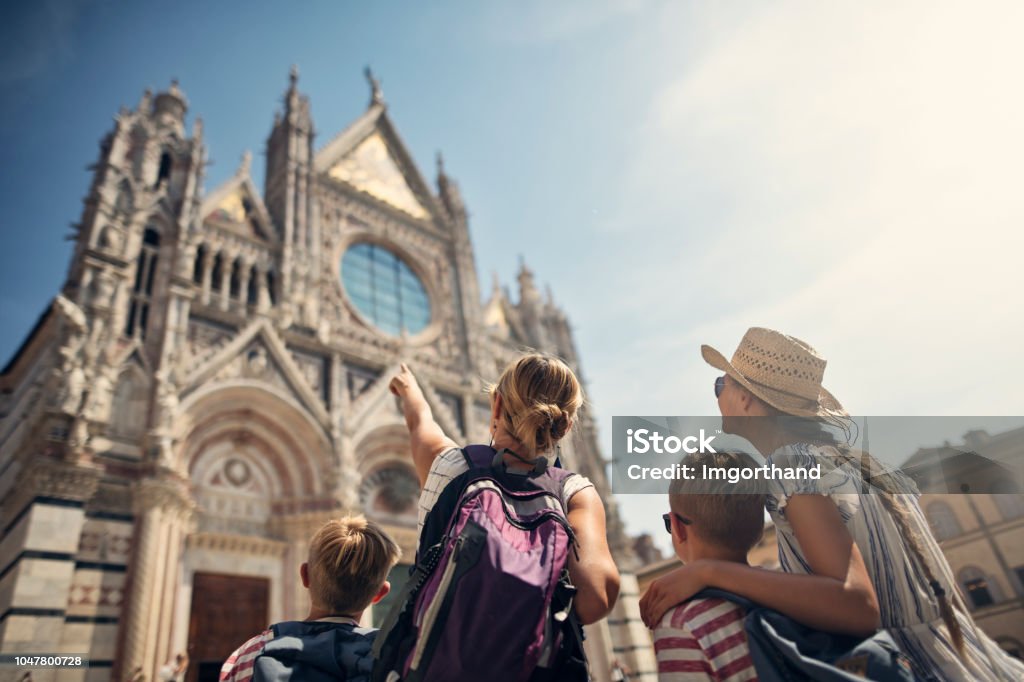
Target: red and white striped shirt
[703, 639]
[238, 667]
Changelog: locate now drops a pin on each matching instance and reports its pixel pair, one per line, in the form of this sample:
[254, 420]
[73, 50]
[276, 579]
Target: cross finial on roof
[376, 95]
[440, 164]
[293, 75]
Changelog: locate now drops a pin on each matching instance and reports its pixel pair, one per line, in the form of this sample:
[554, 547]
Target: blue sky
[677, 171]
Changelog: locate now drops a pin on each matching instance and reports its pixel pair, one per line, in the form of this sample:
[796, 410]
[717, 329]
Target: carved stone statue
[74, 386]
[98, 405]
[376, 95]
[166, 400]
[73, 327]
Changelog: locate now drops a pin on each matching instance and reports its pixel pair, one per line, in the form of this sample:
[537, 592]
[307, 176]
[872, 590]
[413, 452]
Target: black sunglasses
[719, 386]
[667, 518]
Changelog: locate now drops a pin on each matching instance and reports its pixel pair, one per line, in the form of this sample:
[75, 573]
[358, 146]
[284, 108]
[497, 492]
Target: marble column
[163, 512]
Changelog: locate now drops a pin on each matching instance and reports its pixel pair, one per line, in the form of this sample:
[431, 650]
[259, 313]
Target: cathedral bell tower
[143, 197]
[289, 198]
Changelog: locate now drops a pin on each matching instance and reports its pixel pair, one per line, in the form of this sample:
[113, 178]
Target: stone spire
[528, 293]
[448, 191]
[245, 165]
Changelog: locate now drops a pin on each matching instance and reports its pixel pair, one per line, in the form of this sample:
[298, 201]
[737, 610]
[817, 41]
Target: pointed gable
[237, 205]
[371, 168]
[370, 157]
[258, 354]
[231, 208]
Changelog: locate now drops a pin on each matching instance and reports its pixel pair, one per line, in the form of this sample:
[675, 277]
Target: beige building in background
[211, 385]
[982, 535]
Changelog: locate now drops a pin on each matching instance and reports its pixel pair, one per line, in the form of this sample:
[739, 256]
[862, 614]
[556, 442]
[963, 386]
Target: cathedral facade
[210, 386]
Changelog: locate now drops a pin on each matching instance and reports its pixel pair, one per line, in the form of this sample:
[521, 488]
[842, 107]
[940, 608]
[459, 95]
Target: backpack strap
[478, 456]
[486, 457]
[551, 478]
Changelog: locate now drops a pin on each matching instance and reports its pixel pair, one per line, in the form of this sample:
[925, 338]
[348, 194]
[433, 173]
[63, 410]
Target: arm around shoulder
[595, 574]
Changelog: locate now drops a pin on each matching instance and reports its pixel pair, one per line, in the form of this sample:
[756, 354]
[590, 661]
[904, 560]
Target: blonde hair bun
[540, 398]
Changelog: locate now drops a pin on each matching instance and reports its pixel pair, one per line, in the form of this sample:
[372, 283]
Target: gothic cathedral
[211, 385]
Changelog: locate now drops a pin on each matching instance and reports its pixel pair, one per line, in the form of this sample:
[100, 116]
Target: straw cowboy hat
[781, 370]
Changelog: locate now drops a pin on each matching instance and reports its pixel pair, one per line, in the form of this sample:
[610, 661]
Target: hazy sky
[677, 171]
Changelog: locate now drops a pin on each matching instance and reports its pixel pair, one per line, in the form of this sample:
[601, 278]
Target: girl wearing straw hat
[855, 550]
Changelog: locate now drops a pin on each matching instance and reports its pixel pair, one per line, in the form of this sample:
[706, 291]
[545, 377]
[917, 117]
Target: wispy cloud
[846, 173]
[857, 173]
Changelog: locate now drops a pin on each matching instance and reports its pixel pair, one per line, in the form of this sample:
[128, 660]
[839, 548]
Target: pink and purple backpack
[490, 596]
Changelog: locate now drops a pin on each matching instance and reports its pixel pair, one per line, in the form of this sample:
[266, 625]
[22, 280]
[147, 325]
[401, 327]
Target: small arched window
[253, 294]
[217, 272]
[271, 287]
[235, 285]
[200, 264]
[979, 589]
[942, 520]
[164, 172]
[142, 289]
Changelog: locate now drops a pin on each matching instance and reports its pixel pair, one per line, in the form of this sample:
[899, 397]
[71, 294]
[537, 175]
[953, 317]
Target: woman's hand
[671, 589]
[404, 382]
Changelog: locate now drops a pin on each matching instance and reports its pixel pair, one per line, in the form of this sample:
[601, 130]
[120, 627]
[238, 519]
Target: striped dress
[909, 611]
[703, 639]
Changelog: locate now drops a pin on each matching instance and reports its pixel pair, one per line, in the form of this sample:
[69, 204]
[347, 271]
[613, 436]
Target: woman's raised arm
[426, 437]
[837, 597]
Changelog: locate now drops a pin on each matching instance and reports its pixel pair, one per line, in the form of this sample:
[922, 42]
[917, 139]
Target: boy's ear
[304, 574]
[382, 592]
[679, 530]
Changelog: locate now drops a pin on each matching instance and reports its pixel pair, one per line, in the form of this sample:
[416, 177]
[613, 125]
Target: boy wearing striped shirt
[349, 561]
[705, 639]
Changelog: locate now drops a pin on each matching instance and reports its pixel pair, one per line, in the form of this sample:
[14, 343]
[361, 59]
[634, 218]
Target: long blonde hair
[540, 397]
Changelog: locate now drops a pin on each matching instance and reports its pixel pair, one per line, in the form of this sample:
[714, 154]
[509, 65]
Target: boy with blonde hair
[349, 561]
[704, 638]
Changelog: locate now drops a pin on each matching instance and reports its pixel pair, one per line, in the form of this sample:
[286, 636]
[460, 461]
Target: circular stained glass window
[384, 289]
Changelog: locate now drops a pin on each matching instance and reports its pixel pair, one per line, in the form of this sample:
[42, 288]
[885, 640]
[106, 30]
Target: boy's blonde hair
[724, 514]
[349, 560]
[540, 398]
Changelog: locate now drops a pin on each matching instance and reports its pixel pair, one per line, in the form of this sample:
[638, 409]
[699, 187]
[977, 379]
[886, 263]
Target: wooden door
[226, 611]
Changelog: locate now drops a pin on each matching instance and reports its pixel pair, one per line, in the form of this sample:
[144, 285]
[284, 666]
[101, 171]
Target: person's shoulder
[573, 483]
[239, 664]
[674, 619]
[448, 461]
[706, 615]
